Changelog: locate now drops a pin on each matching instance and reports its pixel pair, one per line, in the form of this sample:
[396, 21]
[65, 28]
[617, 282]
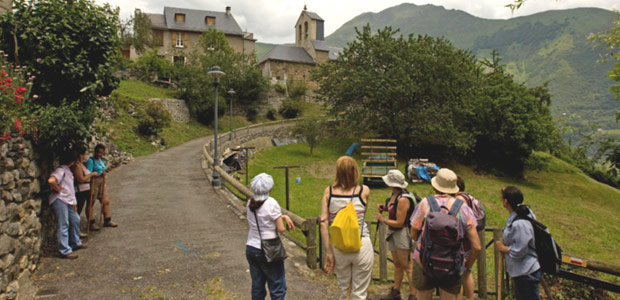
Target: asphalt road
[176, 240]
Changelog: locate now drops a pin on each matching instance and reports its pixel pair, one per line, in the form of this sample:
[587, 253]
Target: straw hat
[395, 178]
[445, 181]
[261, 185]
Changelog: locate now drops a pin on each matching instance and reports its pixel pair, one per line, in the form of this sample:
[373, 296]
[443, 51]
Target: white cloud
[272, 21]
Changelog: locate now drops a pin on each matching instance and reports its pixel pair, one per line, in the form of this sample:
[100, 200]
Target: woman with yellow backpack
[346, 237]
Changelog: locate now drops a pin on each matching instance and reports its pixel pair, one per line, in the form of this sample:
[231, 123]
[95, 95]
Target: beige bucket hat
[395, 178]
[445, 181]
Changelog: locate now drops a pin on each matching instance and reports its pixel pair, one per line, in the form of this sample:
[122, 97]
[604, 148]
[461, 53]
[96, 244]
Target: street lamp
[216, 73]
[231, 94]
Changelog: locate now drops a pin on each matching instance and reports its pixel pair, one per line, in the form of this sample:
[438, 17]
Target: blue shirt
[95, 165]
[521, 259]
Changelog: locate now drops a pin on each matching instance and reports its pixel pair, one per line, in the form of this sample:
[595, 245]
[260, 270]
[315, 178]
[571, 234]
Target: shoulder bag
[272, 248]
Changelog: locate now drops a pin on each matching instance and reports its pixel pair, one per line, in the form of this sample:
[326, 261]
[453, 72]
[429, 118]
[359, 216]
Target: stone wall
[177, 108]
[20, 207]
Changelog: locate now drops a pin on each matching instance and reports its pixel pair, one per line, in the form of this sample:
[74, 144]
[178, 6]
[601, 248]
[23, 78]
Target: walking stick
[376, 234]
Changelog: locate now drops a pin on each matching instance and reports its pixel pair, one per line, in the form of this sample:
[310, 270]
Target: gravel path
[176, 240]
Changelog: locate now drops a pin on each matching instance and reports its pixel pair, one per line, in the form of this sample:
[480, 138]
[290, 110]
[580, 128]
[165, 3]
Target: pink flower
[6, 136]
[18, 102]
[20, 91]
[38, 60]
[35, 96]
[18, 125]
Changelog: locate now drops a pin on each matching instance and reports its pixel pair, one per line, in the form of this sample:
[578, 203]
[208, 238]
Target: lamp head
[216, 73]
[231, 92]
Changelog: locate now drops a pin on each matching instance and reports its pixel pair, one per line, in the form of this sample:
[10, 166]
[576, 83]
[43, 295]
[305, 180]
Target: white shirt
[267, 215]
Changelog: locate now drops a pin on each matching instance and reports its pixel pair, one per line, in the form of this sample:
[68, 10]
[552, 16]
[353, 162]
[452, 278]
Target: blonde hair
[347, 173]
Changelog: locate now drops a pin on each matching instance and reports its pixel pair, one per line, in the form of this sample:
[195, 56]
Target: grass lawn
[581, 213]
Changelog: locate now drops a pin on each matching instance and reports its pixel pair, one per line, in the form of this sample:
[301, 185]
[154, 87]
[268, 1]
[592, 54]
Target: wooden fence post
[482, 267]
[499, 267]
[311, 244]
[382, 253]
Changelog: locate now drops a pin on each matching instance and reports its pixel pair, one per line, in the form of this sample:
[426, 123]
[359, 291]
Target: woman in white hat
[264, 214]
[399, 207]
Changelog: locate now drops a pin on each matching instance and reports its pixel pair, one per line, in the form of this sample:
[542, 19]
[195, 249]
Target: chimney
[228, 11]
[138, 11]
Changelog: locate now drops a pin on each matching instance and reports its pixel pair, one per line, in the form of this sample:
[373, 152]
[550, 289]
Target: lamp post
[216, 73]
[231, 94]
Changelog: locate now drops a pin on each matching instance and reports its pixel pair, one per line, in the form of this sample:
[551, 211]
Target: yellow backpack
[345, 230]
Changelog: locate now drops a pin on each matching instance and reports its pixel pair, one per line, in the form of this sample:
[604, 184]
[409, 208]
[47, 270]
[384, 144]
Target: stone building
[287, 62]
[176, 32]
[5, 5]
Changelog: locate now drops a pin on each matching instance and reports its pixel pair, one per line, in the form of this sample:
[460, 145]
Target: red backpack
[441, 251]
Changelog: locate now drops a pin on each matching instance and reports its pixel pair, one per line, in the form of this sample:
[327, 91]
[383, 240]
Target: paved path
[176, 240]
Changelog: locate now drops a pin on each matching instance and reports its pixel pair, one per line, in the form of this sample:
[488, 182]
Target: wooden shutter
[174, 39]
[185, 39]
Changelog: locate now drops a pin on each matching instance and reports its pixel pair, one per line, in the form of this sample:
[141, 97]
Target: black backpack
[548, 251]
[414, 199]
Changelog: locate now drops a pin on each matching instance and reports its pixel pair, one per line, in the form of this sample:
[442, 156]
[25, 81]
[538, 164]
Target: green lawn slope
[581, 213]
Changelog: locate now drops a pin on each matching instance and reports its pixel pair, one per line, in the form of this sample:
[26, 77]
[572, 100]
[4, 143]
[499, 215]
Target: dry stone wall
[20, 206]
[177, 108]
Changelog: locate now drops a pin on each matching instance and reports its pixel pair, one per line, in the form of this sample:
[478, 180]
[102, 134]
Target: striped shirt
[338, 202]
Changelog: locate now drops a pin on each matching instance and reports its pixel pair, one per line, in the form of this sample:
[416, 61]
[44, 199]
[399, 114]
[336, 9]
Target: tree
[412, 89]
[142, 34]
[311, 129]
[69, 46]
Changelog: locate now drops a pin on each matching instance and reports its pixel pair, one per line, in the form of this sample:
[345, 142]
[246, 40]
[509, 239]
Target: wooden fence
[229, 140]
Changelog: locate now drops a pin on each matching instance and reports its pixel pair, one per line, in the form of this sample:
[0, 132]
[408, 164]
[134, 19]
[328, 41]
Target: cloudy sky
[272, 21]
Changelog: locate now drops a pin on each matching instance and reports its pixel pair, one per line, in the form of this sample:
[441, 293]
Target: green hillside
[550, 46]
[261, 49]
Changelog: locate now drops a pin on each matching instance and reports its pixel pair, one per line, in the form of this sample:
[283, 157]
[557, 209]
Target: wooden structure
[381, 159]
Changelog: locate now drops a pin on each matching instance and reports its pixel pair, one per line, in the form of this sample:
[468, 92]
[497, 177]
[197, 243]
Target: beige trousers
[355, 270]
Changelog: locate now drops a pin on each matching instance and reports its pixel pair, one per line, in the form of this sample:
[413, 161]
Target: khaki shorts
[98, 187]
[423, 283]
[398, 239]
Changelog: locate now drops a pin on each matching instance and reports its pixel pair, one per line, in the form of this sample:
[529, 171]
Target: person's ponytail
[255, 204]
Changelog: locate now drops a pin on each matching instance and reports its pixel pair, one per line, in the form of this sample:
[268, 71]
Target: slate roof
[322, 46]
[195, 20]
[288, 53]
[313, 16]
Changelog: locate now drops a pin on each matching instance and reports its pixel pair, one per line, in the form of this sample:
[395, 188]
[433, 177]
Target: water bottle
[298, 179]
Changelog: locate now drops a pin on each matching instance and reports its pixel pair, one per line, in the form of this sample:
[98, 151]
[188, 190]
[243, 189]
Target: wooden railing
[307, 225]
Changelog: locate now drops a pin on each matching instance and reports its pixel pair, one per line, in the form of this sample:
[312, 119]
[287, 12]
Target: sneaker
[110, 224]
[83, 235]
[412, 297]
[69, 256]
[393, 294]
[83, 246]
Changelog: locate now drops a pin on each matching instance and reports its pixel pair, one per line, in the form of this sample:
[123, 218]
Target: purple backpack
[478, 209]
[441, 252]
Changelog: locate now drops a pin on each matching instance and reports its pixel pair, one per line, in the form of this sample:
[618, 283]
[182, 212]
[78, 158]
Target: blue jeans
[526, 286]
[263, 272]
[68, 225]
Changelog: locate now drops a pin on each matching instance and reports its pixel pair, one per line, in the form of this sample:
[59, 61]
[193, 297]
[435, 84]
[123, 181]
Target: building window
[180, 40]
[178, 59]
[300, 32]
[210, 20]
[179, 18]
[306, 29]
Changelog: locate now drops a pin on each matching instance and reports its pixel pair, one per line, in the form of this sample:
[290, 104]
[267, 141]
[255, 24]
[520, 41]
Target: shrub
[271, 114]
[152, 118]
[152, 66]
[280, 88]
[296, 88]
[291, 108]
[14, 98]
[251, 112]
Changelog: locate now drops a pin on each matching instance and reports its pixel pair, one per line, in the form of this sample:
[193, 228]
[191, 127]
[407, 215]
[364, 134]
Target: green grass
[581, 213]
[139, 91]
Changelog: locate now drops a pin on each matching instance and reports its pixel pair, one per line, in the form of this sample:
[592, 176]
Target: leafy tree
[152, 118]
[142, 34]
[242, 75]
[412, 89]
[312, 129]
[70, 46]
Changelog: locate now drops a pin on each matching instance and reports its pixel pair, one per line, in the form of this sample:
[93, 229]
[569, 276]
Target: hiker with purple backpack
[441, 224]
[480, 215]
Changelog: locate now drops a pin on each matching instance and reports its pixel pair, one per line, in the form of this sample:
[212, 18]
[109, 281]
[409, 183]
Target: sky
[272, 21]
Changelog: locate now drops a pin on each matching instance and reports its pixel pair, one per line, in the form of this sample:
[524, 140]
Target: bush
[152, 66]
[280, 88]
[291, 108]
[296, 88]
[271, 114]
[152, 118]
[251, 112]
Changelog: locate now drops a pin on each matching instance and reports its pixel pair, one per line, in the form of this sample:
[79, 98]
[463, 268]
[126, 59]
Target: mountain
[550, 46]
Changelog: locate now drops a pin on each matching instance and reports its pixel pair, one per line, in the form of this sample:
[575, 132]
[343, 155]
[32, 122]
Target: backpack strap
[456, 206]
[432, 203]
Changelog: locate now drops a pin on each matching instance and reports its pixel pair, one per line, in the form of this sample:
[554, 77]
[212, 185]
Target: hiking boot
[83, 235]
[393, 294]
[83, 246]
[412, 297]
